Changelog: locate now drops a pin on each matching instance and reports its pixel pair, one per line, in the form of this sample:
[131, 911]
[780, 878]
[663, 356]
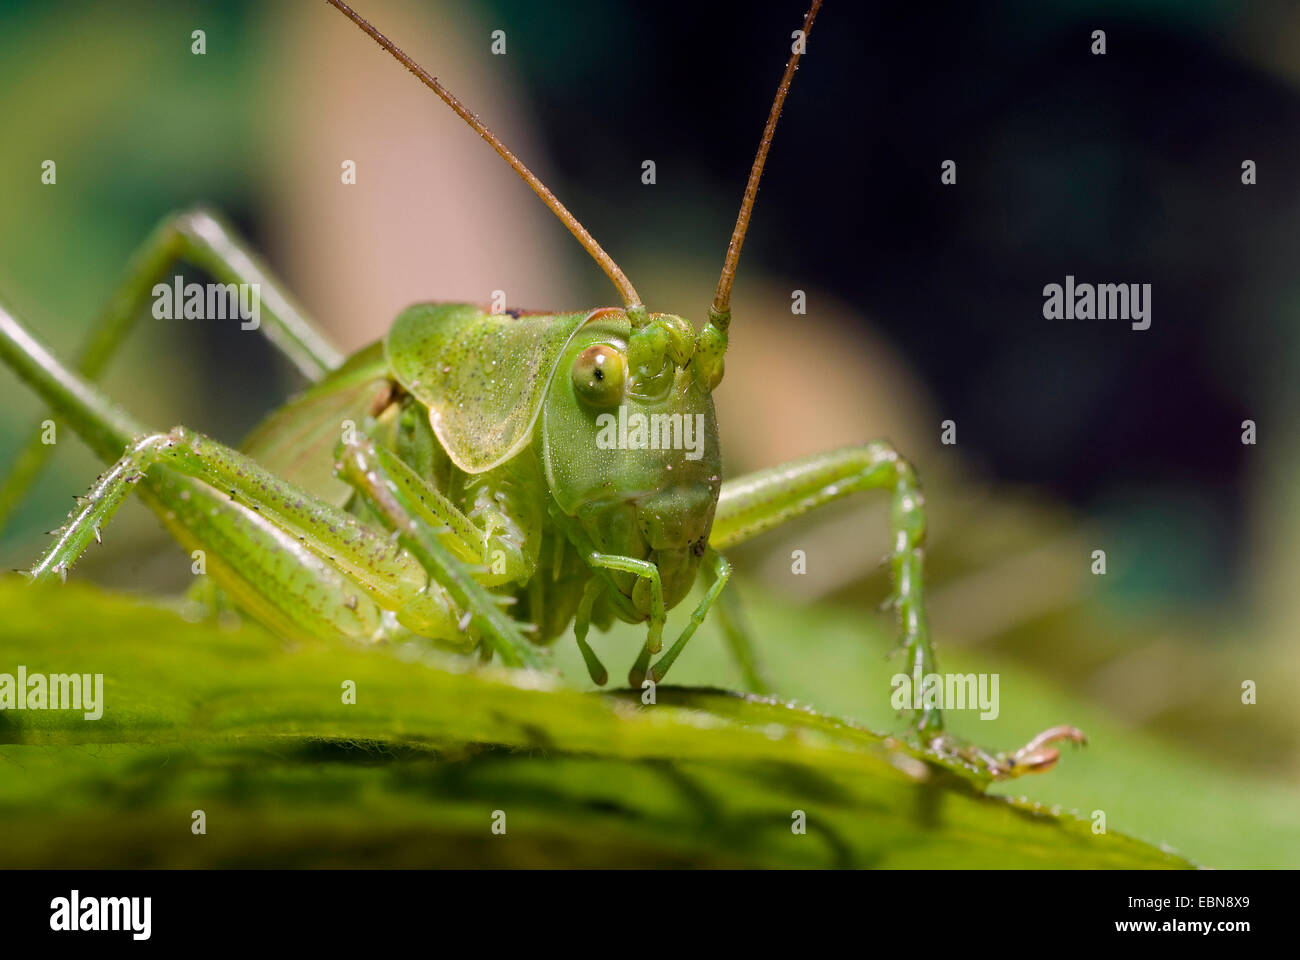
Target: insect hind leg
[203, 239]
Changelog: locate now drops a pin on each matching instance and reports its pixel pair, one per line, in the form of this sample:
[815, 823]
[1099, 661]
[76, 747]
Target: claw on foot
[1036, 756]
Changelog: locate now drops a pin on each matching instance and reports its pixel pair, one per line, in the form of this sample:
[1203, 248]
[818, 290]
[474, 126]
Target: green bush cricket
[478, 479]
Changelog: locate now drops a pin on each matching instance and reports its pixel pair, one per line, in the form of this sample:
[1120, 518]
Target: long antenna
[625, 289]
[720, 312]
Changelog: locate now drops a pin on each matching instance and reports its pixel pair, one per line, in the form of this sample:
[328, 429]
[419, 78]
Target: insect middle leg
[720, 573]
[760, 501]
[203, 239]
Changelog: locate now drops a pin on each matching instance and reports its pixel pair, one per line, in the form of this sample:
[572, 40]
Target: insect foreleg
[759, 501]
[603, 564]
[582, 623]
[642, 568]
[658, 615]
[359, 466]
[200, 238]
[720, 571]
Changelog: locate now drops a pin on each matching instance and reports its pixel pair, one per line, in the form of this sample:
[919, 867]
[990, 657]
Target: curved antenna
[720, 312]
[625, 289]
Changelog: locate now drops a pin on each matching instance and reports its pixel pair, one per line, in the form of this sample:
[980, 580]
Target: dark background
[1117, 168]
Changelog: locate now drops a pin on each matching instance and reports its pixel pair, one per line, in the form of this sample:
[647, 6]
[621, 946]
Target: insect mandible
[499, 476]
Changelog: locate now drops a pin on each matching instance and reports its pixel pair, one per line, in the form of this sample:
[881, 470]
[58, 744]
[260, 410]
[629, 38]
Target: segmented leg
[360, 467]
[291, 529]
[268, 571]
[299, 529]
[103, 425]
[582, 624]
[759, 501]
[301, 566]
[200, 238]
[720, 571]
[642, 568]
[467, 540]
[603, 564]
[586, 549]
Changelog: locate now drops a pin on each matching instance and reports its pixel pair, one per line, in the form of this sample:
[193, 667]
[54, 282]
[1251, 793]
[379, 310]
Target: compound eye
[598, 376]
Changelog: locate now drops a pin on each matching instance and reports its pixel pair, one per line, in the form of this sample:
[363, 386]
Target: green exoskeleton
[479, 479]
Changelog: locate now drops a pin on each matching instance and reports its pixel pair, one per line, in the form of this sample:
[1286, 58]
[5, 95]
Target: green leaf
[258, 737]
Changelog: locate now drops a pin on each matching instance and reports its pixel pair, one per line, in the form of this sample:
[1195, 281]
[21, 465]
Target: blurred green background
[924, 305]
